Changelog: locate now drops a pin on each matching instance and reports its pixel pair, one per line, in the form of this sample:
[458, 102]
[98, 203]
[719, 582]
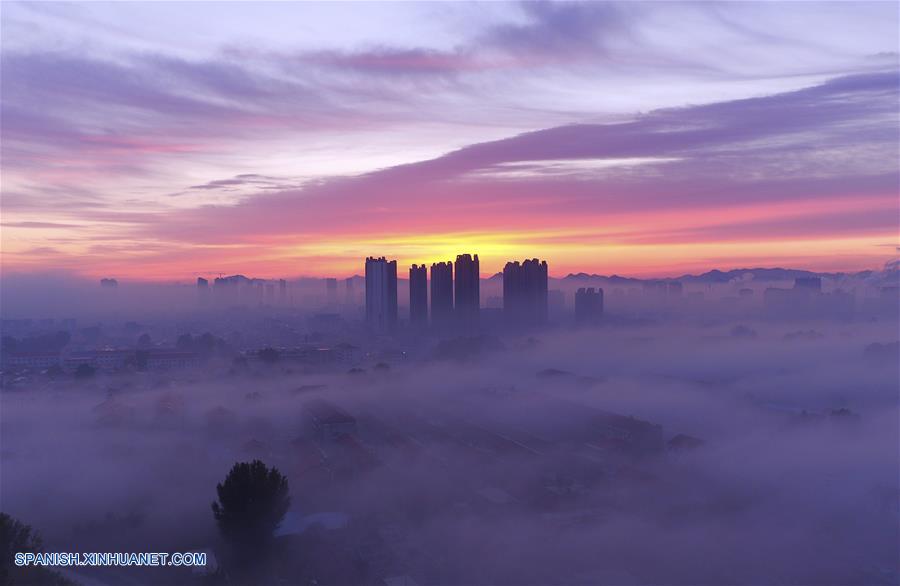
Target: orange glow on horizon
[666, 242]
[342, 258]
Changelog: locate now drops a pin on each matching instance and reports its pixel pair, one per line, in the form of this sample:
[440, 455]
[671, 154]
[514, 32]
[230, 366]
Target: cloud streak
[517, 126]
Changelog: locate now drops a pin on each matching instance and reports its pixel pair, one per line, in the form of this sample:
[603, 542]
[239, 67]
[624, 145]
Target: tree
[207, 343]
[85, 371]
[17, 537]
[184, 342]
[269, 355]
[9, 344]
[253, 500]
[61, 340]
[140, 359]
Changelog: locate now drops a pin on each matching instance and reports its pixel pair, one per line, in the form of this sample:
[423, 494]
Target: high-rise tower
[441, 293]
[381, 293]
[467, 289]
[202, 291]
[418, 294]
[525, 292]
[588, 305]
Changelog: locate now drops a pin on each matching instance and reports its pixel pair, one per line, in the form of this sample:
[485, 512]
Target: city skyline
[437, 293]
[593, 135]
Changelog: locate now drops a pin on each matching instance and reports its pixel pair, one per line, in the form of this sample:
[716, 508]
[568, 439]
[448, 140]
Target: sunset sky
[167, 140]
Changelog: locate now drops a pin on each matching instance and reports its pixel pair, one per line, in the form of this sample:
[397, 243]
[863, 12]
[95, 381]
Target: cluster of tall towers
[238, 289]
[455, 292]
[452, 300]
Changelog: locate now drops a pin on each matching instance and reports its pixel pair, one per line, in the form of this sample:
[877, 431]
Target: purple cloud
[708, 155]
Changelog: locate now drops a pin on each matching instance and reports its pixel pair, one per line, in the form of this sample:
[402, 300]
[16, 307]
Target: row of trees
[42, 343]
[17, 537]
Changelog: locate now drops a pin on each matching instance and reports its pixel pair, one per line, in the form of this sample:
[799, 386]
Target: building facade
[202, 292]
[588, 305]
[418, 294]
[441, 293]
[525, 292]
[331, 291]
[381, 293]
[467, 289]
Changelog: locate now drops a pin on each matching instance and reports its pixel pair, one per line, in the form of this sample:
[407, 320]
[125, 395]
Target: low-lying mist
[778, 462]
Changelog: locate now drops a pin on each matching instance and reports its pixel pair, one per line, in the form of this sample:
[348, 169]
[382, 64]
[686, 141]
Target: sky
[169, 140]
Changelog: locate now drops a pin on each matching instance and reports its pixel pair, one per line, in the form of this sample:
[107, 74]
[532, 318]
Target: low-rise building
[328, 420]
[32, 360]
[170, 359]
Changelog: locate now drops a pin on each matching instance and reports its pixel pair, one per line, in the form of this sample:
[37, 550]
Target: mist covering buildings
[657, 341]
[588, 305]
[676, 431]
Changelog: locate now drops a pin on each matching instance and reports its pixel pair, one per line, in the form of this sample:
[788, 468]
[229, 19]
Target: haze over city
[450, 294]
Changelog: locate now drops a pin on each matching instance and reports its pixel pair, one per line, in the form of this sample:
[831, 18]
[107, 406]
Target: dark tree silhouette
[9, 344]
[269, 355]
[85, 371]
[207, 342]
[16, 537]
[253, 500]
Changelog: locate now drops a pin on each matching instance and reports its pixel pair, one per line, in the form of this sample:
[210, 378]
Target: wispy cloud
[708, 153]
[548, 115]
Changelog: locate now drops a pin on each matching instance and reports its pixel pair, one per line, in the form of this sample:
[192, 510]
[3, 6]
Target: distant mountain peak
[759, 274]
